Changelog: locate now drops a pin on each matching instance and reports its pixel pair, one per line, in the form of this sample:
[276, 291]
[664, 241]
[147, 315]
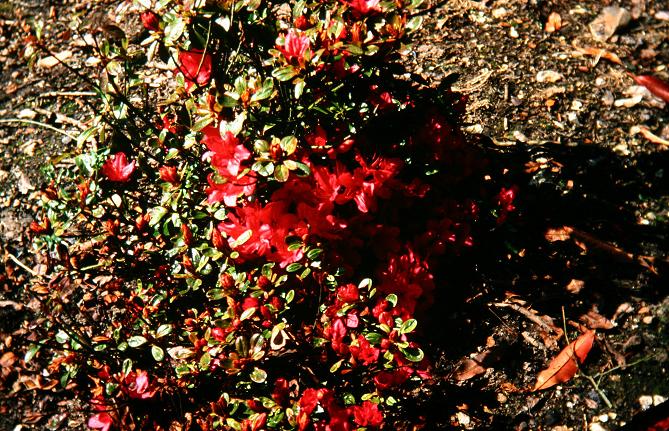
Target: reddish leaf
[655, 85]
[564, 365]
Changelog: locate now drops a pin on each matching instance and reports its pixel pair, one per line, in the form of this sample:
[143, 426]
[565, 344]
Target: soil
[571, 147]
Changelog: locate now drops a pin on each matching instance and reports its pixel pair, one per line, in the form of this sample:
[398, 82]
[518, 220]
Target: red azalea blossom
[364, 352]
[138, 385]
[225, 151]
[363, 7]
[102, 421]
[169, 174]
[348, 293]
[318, 138]
[117, 168]
[150, 20]
[295, 45]
[196, 66]
[367, 415]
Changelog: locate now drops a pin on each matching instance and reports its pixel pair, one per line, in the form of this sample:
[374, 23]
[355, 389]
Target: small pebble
[647, 320]
[549, 76]
[519, 136]
[596, 427]
[513, 33]
[463, 418]
[646, 402]
[662, 15]
[603, 418]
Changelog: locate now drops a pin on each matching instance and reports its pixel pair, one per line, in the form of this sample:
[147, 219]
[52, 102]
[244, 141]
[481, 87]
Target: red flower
[255, 423]
[389, 379]
[102, 421]
[117, 168]
[348, 293]
[230, 190]
[364, 352]
[367, 415]
[169, 174]
[281, 391]
[363, 7]
[294, 45]
[150, 20]
[226, 153]
[317, 138]
[196, 66]
[138, 385]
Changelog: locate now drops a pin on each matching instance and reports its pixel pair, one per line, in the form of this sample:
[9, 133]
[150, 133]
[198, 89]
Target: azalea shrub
[256, 221]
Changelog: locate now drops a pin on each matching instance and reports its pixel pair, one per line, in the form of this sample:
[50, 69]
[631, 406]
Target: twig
[527, 313]
[37, 123]
[62, 118]
[68, 94]
[23, 265]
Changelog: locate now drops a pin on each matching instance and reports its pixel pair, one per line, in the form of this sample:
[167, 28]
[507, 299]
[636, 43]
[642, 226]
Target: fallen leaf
[649, 135]
[575, 286]
[469, 368]
[52, 60]
[554, 23]
[564, 366]
[558, 234]
[654, 84]
[594, 320]
[599, 53]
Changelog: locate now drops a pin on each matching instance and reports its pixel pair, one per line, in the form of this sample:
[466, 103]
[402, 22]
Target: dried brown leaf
[564, 366]
[594, 320]
[599, 53]
[469, 368]
[575, 286]
[558, 234]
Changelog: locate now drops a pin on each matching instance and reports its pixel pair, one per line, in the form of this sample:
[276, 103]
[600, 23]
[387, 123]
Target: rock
[549, 76]
[609, 20]
[463, 418]
[52, 60]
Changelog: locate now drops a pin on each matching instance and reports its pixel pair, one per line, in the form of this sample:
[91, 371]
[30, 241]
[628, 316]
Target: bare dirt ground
[570, 129]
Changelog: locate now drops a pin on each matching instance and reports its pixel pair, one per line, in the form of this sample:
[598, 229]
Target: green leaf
[414, 354]
[61, 337]
[299, 87]
[374, 337]
[265, 91]
[258, 375]
[392, 298]
[284, 73]
[136, 341]
[247, 313]
[242, 238]
[126, 367]
[290, 296]
[293, 267]
[163, 330]
[408, 326]
[314, 253]
[30, 354]
[215, 294]
[205, 360]
[156, 214]
[336, 365]
[157, 353]
[281, 173]
[289, 144]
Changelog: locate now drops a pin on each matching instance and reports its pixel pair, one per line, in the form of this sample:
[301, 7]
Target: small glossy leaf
[157, 353]
[408, 326]
[136, 341]
[258, 375]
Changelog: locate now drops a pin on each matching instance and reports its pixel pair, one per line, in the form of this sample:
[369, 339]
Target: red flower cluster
[117, 168]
